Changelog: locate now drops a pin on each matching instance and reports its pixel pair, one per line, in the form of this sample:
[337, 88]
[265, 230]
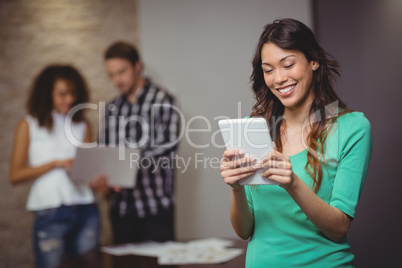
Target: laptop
[120, 165]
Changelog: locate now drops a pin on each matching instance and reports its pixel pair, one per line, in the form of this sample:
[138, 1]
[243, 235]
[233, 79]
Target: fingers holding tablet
[279, 168]
[234, 158]
[252, 140]
[236, 167]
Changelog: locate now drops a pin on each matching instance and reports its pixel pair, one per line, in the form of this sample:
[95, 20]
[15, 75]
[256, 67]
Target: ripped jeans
[62, 233]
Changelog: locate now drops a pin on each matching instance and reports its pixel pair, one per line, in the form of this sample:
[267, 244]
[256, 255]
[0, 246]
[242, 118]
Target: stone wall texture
[32, 35]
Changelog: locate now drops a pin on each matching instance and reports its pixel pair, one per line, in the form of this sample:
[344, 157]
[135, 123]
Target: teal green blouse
[283, 235]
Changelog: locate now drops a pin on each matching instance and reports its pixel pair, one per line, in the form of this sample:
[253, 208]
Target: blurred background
[201, 52]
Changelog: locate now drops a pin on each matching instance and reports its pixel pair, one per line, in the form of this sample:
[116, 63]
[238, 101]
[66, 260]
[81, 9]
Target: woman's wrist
[292, 186]
[54, 164]
[237, 188]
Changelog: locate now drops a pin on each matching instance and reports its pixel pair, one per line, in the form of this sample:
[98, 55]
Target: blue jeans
[63, 233]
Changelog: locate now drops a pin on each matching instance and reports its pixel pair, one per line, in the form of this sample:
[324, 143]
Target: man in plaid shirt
[143, 116]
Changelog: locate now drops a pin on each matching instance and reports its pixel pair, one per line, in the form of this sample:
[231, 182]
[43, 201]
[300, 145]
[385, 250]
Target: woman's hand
[100, 184]
[279, 168]
[67, 164]
[233, 170]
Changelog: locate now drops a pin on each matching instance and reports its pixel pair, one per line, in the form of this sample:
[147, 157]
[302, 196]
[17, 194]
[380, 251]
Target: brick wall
[32, 35]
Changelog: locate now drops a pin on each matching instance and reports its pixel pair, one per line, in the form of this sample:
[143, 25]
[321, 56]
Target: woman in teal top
[322, 152]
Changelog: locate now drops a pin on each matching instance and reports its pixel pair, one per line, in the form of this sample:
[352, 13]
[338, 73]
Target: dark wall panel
[366, 38]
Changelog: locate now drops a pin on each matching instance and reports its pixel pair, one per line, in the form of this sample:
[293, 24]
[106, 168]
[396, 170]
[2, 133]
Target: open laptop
[120, 165]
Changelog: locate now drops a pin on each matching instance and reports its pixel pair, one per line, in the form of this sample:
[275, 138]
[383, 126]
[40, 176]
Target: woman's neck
[296, 128]
[298, 116]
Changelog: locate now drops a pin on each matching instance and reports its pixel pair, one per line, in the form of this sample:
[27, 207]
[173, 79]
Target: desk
[98, 259]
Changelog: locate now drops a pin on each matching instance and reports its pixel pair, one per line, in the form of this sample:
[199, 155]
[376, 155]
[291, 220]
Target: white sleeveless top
[54, 188]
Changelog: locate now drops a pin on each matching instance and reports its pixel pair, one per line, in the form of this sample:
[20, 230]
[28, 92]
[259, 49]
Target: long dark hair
[290, 34]
[40, 101]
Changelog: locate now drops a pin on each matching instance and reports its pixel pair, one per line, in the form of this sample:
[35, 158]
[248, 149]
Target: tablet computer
[252, 136]
[120, 165]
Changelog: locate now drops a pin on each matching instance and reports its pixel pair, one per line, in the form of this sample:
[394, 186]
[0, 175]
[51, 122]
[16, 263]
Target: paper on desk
[118, 250]
[199, 255]
[208, 250]
[211, 242]
[149, 248]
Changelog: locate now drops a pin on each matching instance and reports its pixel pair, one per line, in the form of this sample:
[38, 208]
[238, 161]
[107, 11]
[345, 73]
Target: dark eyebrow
[284, 58]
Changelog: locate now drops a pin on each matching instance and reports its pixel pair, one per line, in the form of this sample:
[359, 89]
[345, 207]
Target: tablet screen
[252, 136]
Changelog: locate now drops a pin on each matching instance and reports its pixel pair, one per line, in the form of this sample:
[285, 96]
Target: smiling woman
[322, 152]
[288, 75]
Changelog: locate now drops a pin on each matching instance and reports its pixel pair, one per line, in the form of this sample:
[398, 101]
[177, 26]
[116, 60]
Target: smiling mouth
[286, 90]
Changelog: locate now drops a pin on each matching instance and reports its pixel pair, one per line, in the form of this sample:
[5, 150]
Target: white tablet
[252, 136]
[120, 165]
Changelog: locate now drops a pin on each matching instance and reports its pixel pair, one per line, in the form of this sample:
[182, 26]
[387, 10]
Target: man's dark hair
[122, 50]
